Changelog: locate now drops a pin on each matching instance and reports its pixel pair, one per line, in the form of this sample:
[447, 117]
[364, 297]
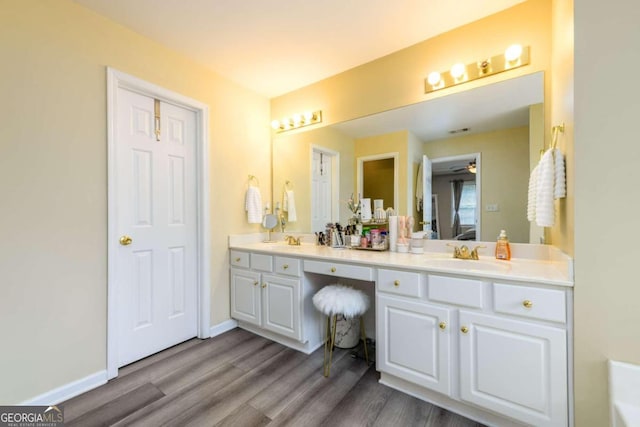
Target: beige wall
[292, 162]
[504, 157]
[398, 79]
[53, 181]
[606, 198]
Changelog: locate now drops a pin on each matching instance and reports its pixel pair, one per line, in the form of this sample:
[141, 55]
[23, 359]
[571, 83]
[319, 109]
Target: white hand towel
[253, 205]
[560, 188]
[545, 214]
[289, 205]
[533, 188]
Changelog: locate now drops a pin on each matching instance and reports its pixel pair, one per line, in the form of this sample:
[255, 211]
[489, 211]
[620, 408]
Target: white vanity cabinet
[515, 368]
[489, 341]
[270, 297]
[261, 298]
[468, 343]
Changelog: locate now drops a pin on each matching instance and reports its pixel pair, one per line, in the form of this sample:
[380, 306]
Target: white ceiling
[276, 46]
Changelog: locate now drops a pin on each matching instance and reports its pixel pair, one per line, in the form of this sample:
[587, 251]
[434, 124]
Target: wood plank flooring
[241, 379]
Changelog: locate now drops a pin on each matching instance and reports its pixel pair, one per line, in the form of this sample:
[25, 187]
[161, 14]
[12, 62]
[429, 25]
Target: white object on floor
[253, 205]
[624, 394]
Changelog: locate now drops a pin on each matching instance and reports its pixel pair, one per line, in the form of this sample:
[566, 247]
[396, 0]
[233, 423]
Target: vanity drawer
[535, 303]
[288, 266]
[401, 283]
[239, 259]
[455, 290]
[262, 262]
[339, 270]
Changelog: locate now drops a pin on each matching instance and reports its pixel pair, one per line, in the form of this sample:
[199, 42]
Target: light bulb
[434, 78]
[457, 71]
[297, 118]
[275, 124]
[513, 52]
[308, 115]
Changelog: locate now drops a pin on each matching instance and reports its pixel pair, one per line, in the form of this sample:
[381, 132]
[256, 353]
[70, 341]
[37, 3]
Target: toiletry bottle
[503, 251]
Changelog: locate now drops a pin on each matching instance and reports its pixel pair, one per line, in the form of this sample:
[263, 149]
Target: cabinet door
[281, 306]
[411, 343]
[245, 296]
[515, 368]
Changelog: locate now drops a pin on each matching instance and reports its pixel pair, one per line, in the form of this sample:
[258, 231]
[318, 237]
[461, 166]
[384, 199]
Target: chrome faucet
[463, 252]
[293, 241]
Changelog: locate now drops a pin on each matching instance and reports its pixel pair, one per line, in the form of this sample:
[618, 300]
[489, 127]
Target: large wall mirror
[496, 131]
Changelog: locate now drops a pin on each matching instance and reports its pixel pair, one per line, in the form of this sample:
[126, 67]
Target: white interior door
[156, 207]
[427, 214]
[321, 190]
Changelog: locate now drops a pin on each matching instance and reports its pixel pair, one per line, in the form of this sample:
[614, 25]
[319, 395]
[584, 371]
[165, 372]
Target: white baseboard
[67, 391]
[223, 327]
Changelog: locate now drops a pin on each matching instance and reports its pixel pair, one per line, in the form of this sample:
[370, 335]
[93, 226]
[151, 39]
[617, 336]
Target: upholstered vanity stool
[334, 300]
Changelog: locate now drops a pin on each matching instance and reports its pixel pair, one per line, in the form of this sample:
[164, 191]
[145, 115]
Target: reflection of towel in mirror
[419, 200]
[253, 205]
[289, 205]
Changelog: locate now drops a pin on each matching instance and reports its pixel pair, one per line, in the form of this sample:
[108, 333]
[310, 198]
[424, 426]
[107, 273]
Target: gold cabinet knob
[285, 266]
[238, 259]
[256, 283]
[443, 325]
[527, 303]
[333, 269]
[264, 285]
[464, 329]
[125, 240]
[396, 283]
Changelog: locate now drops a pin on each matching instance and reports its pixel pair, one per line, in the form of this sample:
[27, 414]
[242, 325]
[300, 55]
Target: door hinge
[156, 109]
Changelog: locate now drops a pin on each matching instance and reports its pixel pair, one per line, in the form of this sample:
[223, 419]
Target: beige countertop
[538, 263]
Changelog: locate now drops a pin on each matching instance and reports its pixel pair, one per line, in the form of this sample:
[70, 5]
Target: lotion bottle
[503, 251]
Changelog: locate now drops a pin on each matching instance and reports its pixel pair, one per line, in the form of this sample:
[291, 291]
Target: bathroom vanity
[488, 339]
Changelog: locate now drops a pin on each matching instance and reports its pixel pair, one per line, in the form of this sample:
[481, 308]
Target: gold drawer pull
[238, 259]
[527, 303]
[443, 325]
[285, 266]
[264, 285]
[256, 283]
[396, 283]
[464, 329]
[333, 269]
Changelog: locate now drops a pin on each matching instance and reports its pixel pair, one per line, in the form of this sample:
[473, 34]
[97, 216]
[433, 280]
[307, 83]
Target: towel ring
[288, 185]
[555, 131]
[254, 178]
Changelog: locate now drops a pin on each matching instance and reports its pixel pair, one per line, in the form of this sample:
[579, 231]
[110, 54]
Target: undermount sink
[468, 264]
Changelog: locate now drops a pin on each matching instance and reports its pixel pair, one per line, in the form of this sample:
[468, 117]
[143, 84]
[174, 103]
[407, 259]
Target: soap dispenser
[503, 251]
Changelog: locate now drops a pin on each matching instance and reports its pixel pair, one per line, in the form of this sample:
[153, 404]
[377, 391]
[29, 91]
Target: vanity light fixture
[297, 120]
[514, 56]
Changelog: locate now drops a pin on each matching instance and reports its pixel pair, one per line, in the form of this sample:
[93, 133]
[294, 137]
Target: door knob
[125, 240]
[464, 329]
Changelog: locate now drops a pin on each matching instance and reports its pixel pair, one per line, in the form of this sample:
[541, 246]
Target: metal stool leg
[331, 345]
[364, 340]
[327, 342]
